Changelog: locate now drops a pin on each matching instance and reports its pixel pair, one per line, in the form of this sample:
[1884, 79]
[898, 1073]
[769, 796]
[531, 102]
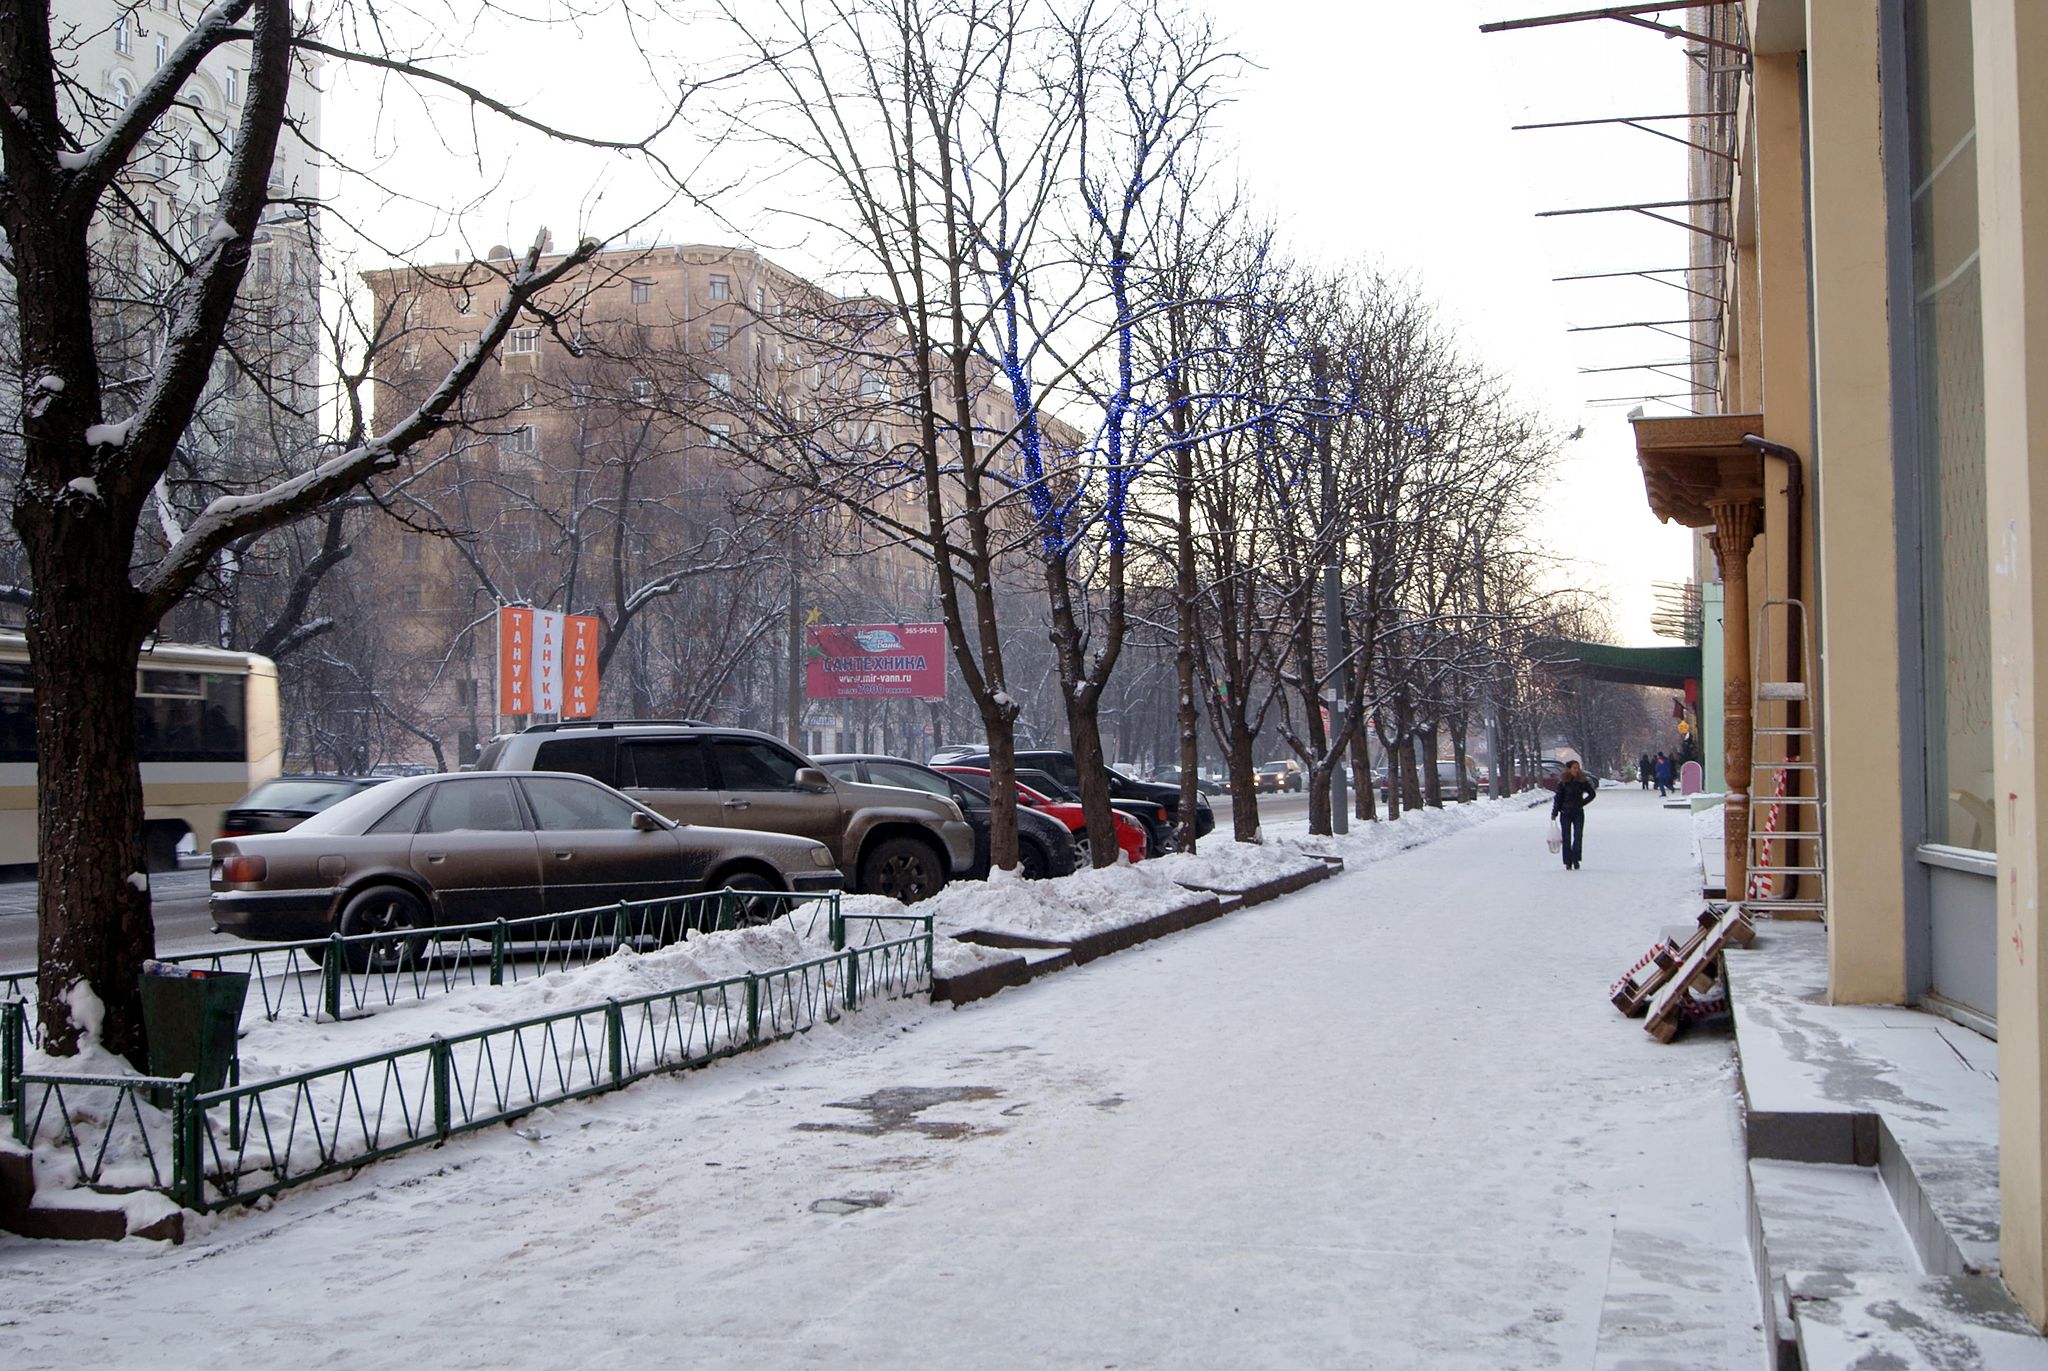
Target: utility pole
[1335, 647]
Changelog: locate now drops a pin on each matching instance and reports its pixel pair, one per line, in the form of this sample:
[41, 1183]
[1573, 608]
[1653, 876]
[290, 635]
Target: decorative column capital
[1735, 529]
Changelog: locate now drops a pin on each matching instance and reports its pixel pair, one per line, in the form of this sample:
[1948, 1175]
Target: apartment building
[608, 448]
[264, 398]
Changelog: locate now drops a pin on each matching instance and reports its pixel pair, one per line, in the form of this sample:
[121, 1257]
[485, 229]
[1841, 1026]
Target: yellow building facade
[1872, 397]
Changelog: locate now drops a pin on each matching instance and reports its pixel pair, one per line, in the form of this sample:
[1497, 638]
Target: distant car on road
[1044, 846]
[1274, 777]
[422, 851]
[886, 840]
[288, 801]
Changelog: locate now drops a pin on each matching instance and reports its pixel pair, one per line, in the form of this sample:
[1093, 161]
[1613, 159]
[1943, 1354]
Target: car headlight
[821, 856]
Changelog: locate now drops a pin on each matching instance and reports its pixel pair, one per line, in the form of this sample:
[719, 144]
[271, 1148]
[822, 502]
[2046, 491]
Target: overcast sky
[1374, 130]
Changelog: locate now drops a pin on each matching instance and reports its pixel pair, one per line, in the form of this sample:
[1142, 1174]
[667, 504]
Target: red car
[1130, 834]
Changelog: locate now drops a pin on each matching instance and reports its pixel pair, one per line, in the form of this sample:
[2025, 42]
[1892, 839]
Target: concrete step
[1905, 1321]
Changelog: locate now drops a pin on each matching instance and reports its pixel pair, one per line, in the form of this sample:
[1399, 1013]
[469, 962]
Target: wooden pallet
[1701, 968]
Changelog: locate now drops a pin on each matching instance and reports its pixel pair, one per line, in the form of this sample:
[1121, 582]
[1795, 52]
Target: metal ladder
[1784, 796]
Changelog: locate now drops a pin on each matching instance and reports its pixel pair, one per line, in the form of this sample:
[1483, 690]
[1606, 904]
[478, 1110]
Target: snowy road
[1390, 1122]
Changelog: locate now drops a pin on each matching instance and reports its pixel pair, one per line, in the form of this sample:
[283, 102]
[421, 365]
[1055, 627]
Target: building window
[124, 37]
[721, 434]
[720, 334]
[721, 288]
[643, 291]
[409, 550]
[643, 389]
[465, 302]
[523, 441]
[409, 597]
[523, 340]
[760, 299]
[465, 692]
[1948, 366]
[231, 87]
[871, 388]
[163, 49]
[526, 395]
[720, 381]
[779, 355]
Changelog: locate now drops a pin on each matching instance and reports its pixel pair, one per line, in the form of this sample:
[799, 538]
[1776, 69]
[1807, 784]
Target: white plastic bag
[1555, 839]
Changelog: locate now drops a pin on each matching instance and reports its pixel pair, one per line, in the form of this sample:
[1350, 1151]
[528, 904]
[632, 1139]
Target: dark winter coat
[1572, 796]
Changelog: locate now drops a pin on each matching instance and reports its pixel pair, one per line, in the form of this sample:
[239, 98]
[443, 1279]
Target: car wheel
[745, 909]
[901, 868]
[1034, 863]
[1082, 861]
[388, 910]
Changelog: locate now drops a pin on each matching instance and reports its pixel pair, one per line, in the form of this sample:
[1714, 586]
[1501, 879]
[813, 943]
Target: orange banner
[547, 662]
[579, 667]
[515, 660]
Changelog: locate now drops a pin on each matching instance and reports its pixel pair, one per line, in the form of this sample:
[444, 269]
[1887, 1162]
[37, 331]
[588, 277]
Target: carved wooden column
[1735, 528]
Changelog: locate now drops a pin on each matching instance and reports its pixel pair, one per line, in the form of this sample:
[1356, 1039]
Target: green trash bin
[192, 1018]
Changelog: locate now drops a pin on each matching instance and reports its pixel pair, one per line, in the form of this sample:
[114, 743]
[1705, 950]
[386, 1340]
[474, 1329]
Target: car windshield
[312, 793]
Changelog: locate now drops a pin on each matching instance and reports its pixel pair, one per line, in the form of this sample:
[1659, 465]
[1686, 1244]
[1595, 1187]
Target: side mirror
[811, 779]
[643, 822]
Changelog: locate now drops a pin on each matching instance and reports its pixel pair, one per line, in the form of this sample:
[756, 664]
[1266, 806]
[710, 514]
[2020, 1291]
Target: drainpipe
[1795, 625]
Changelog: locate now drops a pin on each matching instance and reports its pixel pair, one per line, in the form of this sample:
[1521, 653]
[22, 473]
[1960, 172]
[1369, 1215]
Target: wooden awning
[1692, 459]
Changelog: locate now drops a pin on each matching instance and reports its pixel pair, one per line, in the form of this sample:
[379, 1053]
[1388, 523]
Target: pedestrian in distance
[1643, 770]
[1574, 792]
[1664, 773]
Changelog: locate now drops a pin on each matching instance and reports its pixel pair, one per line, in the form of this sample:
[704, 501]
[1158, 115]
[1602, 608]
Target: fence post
[838, 926]
[852, 978]
[619, 926]
[186, 1152]
[498, 952]
[440, 1059]
[11, 1035]
[928, 939]
[753, 1008]
[330, 976]
[615, 1038]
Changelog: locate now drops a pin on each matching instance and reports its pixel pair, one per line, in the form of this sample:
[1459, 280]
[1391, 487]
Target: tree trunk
[1244, 793]
[1432, 776]
[93, 926]
[1458, 768]
[1365, 802]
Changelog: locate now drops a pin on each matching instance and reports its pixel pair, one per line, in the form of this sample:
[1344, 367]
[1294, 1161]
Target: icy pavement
[1391, 1121]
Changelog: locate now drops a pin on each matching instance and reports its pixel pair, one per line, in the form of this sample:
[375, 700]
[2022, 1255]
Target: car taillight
[243, 870]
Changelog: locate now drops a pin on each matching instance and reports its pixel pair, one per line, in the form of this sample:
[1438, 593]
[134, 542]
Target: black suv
[1060, 766]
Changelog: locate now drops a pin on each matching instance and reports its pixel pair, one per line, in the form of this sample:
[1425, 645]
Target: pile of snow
[1708, 839]
[1369, 842]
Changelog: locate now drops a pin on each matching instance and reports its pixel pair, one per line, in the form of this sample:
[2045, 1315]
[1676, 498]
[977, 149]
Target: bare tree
[97, 443]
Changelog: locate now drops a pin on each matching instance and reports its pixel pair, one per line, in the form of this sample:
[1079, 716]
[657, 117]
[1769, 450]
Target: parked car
[1273, 777]
[1130, 834]
[284, 802]
[1147, 814]
[1060, 766]
[1044, 846]
[886, 841]
[1446, 780]
[422, 851]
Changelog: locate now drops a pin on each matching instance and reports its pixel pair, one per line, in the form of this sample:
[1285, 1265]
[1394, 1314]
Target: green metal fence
[335, 977]
[254, 1138]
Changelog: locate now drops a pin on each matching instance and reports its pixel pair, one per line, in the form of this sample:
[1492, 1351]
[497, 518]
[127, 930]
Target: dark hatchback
[1044, 846]
[285, 802]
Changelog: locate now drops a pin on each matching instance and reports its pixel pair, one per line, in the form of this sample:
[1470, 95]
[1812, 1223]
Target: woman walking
[1574, 792]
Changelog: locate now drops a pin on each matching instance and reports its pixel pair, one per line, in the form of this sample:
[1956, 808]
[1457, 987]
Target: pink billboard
[870, 661]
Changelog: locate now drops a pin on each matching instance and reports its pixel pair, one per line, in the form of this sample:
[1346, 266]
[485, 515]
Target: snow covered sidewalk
[1390, 1121]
